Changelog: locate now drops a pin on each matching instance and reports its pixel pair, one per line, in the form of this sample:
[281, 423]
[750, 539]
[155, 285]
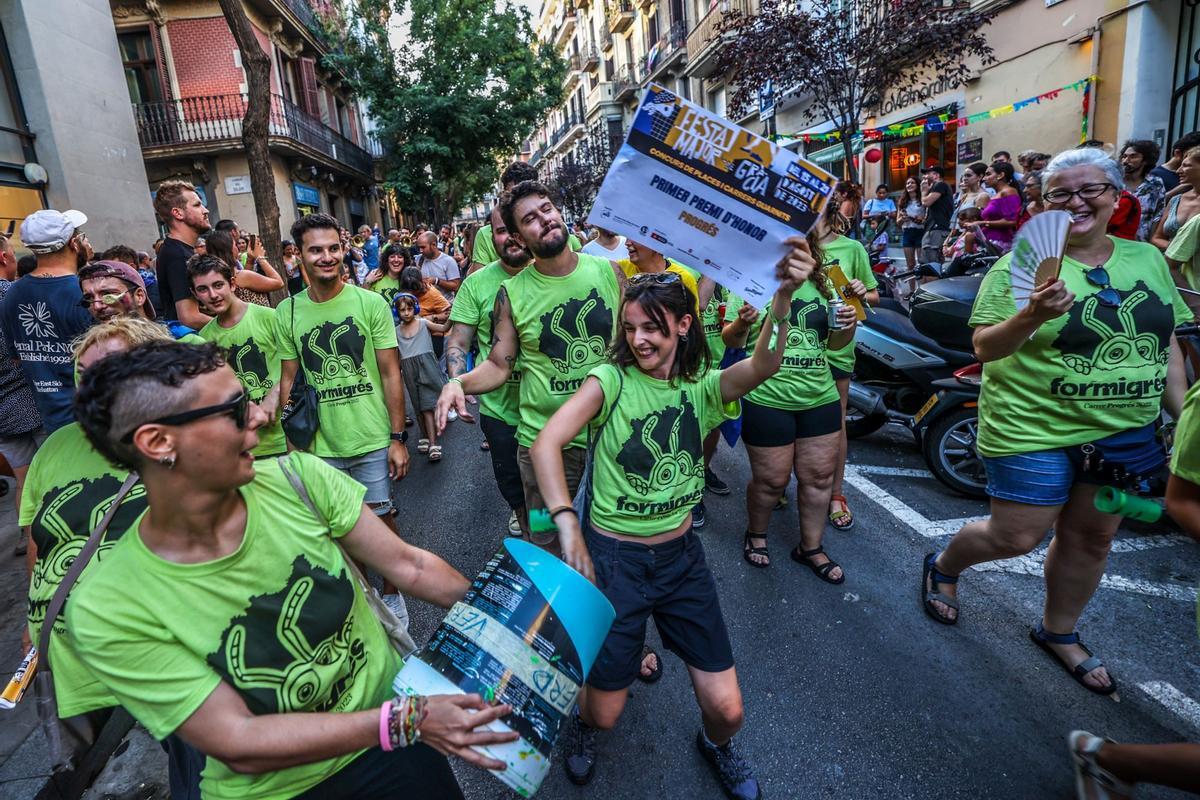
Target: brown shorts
[574, 461]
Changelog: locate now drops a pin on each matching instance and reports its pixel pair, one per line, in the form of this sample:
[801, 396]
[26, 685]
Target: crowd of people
[224, 433]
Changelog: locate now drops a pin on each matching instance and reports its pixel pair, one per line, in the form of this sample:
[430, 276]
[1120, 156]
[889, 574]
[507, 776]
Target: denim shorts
[371, 470]
[1040, 478]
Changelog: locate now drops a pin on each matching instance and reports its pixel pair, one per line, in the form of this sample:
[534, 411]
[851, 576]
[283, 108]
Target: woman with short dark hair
[249, 635]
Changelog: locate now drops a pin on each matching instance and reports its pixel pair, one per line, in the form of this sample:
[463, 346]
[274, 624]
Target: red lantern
[873, 156]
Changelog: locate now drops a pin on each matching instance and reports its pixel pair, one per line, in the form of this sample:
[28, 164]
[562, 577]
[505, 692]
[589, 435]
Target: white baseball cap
[48, 231]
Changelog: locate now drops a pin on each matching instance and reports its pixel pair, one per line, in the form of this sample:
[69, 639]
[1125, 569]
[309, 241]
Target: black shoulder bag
[300, 419]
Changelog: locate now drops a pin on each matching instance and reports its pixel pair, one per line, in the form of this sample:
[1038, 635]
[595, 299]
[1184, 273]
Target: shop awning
[835, 152]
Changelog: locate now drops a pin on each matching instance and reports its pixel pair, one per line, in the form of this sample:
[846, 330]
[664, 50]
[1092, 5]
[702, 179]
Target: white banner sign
[710, 195]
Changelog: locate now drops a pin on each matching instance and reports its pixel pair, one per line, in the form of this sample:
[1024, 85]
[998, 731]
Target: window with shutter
[308, 86]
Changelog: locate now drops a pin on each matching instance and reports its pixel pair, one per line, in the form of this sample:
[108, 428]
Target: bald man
[437, 267]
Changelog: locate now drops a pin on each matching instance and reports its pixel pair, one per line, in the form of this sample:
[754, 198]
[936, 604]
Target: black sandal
[1044, 638]
[805, 557]
[749, 550]
[655, 673]
[931, 579]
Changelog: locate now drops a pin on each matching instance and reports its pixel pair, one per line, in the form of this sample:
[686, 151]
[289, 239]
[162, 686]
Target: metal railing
[624, 80]
[218, 118]
[705, 31]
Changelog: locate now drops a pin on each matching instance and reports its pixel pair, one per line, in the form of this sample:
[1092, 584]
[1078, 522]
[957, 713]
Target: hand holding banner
[716, 197]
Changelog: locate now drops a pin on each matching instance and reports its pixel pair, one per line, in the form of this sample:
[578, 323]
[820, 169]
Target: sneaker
[714, 484]
[579, 751]
[698, 515]
[732, 769]
[453, 415]
[514, 525]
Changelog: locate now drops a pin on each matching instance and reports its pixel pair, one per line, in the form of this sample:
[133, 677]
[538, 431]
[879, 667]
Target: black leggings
[415, 773]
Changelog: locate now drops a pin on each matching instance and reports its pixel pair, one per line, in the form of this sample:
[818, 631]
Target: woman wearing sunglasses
[227, 614]
[1072, 387]
[647, 414]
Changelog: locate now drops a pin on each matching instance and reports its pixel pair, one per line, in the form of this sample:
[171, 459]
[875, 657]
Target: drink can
[835, 304]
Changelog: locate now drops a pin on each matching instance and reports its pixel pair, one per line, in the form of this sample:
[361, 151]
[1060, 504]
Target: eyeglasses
[651, 278]
[106, 299]
[1107, 296]
[1089, 191]
[237, 407]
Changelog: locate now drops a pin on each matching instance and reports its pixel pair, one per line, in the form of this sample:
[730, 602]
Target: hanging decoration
[943, 122]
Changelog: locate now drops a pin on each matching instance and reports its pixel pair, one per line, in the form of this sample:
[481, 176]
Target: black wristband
[561, 509]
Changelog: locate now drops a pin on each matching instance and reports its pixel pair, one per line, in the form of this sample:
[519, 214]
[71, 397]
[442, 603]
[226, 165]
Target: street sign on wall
[237, 184]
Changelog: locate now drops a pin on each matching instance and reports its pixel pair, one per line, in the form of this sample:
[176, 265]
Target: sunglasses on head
[654, 278]
[236, 408]
[1107, 296]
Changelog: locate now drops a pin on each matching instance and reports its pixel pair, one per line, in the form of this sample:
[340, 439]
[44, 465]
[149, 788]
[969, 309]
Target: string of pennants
[943, 122]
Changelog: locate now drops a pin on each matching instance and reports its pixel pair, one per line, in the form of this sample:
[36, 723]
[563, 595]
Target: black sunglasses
[651, 278]
[238, 406]
[1107, 296]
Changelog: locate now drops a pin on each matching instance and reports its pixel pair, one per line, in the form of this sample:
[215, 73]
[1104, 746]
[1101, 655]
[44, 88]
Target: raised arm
[546, 455]
[489, 374]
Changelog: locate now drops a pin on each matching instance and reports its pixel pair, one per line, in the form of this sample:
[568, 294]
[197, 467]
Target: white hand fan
[1037, 253]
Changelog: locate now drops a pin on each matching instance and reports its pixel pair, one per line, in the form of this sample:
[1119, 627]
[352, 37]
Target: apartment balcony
[574, 72]
[213, 123]
[600, 94]
[590, 57]
[669, 52]
[565, 30]
[625, 83]
[704, 43]
[620, 15]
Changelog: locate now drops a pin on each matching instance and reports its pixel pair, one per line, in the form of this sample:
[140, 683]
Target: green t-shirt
[281, 620]
[474, 305]
[564, 325]
[254, 356]
[1090, 373]
[336, 343]
[852, 258]
[68, 490]
[804, 380]
[1185, 456]
[712, 318]
[387, 286]
[649, 457]
[1185, 247]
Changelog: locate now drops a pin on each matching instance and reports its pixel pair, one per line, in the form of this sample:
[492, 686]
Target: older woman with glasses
[1073, 381]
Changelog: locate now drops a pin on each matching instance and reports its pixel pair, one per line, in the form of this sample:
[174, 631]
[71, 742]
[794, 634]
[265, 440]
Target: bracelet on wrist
[456, 380]
[385, 715]
[562, 509]
[776, 321]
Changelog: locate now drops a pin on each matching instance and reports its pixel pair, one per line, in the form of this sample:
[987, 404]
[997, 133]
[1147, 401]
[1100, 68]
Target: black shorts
[418, 772]
[670, 582]
[839, 374]
[502, 446]
[763, 426]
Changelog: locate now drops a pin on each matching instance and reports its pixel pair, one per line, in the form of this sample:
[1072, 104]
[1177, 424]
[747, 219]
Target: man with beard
[485, 251]
[180, 209]
[1138, 157]
[557, 316]
[344, 339]
[471, 317]
[42, 314]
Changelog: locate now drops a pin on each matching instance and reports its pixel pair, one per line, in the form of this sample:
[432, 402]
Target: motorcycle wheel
[858, 425]
[948, 446]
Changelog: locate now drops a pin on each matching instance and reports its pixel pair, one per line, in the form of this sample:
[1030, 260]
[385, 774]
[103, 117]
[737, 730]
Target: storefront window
[904, 158]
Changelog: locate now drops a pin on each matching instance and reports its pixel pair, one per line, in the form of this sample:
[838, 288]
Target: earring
[683, 337]
[168, 461]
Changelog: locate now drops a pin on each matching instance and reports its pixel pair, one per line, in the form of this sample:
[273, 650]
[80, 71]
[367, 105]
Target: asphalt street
[850, 691]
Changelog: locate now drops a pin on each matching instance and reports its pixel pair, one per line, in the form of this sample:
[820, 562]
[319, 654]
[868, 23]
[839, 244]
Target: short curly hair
[123, 391]
[509, 200]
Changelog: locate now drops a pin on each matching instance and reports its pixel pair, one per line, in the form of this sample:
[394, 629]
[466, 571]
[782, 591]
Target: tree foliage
[577, 181]
[463, 91]
[846, 56]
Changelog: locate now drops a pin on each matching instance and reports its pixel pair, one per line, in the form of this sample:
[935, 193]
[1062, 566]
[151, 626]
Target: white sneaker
[514, 525]
[453, 415]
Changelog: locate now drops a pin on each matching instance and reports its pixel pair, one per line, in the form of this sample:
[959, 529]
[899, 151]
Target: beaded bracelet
[403, 721]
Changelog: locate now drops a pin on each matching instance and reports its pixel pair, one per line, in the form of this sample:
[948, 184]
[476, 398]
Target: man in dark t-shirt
[938, 199]
[180, 209]
[41, 314]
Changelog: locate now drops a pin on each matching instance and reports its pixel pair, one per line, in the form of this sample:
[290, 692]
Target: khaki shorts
[574, 461]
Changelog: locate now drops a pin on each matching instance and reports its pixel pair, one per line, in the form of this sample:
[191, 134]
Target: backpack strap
[77, 567]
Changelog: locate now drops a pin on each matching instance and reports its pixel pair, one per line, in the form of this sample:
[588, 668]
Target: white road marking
[1174, 701]
[1031, 564]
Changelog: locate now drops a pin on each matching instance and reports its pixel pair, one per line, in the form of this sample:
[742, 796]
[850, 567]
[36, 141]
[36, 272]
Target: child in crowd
[423, 379]
[966, 242]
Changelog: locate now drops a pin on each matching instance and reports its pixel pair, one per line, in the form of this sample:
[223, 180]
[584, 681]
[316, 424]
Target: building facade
[187, 88]
[1144, 56]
